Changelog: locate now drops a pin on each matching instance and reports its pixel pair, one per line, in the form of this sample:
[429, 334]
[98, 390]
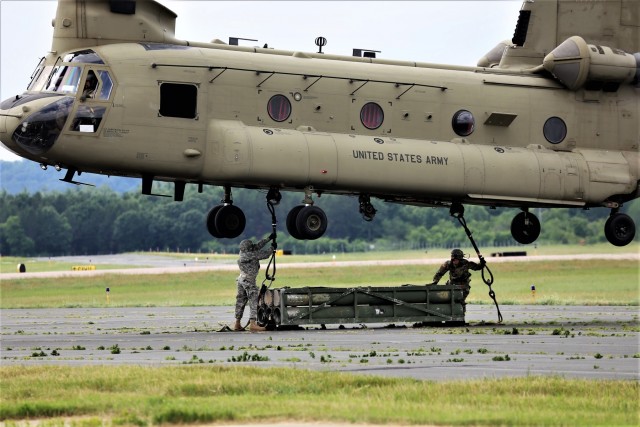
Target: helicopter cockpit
[77, 85]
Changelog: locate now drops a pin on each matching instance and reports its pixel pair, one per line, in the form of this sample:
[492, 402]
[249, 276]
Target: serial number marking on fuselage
[400, 157]
[114, 133]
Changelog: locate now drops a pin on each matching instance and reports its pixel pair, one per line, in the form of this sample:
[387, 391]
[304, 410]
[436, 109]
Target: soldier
[90, 85]
[458, 269]
[249, 263]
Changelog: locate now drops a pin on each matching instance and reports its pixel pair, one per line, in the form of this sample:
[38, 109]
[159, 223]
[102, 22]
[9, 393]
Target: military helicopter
[546, 119]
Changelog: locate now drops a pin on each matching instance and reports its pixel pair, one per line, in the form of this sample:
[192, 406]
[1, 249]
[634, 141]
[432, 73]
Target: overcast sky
[445, 32]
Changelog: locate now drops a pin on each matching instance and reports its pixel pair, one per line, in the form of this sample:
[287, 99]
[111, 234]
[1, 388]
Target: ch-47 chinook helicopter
[549, 118]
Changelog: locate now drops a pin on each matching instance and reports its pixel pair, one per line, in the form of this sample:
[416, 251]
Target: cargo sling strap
[457, 211]
[273, 199]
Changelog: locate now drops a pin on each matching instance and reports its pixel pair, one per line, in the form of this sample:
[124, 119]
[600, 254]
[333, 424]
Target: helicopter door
[93, 101]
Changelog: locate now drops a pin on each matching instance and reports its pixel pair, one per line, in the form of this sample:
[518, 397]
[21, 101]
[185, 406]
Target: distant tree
[131, 232]
[50, 231]
[13, 240]
[86, 220]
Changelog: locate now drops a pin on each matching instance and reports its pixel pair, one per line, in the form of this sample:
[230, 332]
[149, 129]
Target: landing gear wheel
[291, 222]
[619, 229]
[230, 221]
[311, 222]
[211, 222]
[525, 228]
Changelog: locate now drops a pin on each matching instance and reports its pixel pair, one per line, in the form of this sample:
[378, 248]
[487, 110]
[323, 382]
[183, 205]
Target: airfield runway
[158, 264]
[570, 341]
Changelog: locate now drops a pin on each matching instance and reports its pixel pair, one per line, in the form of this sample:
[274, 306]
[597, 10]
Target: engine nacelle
[492, 58]
[577, 64]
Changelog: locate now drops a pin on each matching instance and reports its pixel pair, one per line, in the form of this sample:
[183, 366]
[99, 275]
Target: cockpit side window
[87, 118]
[107, 85]
[97, 87]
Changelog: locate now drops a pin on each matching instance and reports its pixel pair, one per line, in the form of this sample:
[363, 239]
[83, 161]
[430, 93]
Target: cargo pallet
[428, 304]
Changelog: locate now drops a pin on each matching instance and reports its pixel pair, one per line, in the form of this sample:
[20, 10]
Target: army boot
[238, 326]
[254, 327]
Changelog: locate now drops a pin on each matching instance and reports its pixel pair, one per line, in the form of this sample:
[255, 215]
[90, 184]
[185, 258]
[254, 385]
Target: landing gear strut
[525, 228]
[306, 222]
[367, 210]
[619, 228]
[226, 220]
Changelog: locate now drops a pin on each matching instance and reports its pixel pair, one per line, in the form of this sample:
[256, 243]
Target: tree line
[87, 221]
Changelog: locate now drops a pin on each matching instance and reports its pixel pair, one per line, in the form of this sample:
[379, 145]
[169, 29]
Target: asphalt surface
[570, 341]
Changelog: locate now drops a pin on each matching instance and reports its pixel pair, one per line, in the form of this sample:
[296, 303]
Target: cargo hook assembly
[273, 199]
[457, 211]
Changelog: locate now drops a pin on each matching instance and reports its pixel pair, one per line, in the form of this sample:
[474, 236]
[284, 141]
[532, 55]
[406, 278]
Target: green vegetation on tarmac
[589, 282]
[134, 395]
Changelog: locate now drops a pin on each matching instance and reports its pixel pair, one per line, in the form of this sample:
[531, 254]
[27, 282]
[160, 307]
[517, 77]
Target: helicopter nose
[31, 128]
[8, 124]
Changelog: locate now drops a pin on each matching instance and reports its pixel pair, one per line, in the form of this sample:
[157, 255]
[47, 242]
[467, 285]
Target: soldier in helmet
[458, 269]
[249, 263]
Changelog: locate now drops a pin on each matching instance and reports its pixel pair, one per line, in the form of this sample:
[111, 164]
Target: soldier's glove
[482, 262]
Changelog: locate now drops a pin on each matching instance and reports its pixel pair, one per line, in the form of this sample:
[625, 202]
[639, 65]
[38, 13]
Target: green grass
[38, 264]
[133, 395]
[594, 282]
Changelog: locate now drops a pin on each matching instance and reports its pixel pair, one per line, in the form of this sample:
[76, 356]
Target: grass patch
[36, 265]
[196, 394]
[8, 264]
[588, 282]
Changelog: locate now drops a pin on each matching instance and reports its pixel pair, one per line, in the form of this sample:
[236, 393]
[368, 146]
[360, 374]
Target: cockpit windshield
[86, 56]
[64, 79]
[39, 78]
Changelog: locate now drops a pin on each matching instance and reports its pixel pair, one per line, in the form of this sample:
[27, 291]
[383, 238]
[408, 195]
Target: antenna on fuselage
[365, 53]
[321, 42]
[233, 41]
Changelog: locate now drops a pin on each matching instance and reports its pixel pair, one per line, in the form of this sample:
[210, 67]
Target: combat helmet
[457, 254]
[246, 245]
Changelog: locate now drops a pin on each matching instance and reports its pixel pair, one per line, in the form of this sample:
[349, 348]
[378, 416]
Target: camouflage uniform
[249, 263]
[458, 275]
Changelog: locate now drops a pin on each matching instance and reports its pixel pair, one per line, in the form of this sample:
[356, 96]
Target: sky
[443, 32]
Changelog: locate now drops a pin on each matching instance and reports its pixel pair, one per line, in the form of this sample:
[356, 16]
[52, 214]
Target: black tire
[262, 316]
[620, 229]
[291, 222]
[276, 317]
[311, 222]
[211, 222]
[525, 228]
[230, 221]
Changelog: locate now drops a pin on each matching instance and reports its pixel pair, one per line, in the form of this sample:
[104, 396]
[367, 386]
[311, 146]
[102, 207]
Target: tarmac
[591, 342]
[595, 342]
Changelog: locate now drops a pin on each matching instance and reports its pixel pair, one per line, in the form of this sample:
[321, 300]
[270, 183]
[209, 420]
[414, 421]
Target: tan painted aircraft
[549, 118]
